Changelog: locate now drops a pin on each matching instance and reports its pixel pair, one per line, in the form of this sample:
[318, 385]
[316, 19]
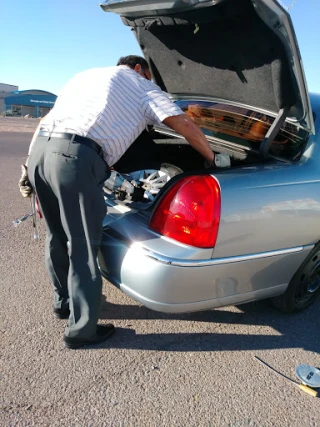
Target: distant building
[4, 88]
[34, 102]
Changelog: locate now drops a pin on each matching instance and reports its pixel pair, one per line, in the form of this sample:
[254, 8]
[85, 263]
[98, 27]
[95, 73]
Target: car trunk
[234, 67]
[159, 154]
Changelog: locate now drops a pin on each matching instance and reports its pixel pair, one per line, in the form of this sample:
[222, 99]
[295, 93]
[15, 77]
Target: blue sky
[45, 42]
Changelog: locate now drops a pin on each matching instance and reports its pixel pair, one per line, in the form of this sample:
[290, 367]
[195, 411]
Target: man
[96, 118]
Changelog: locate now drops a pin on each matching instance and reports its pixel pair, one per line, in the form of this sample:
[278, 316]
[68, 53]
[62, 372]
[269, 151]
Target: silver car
[179, 237]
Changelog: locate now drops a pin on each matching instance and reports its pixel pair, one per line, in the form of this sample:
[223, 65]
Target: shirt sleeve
[156, 106]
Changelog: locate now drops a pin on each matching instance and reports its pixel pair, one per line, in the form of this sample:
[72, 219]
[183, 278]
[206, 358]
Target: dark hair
[132, 61]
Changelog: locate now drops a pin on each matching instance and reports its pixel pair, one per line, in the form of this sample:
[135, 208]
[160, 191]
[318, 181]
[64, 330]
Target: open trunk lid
[242, 52]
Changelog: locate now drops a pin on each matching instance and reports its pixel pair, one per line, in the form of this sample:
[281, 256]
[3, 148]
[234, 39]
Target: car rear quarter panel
[270, 207]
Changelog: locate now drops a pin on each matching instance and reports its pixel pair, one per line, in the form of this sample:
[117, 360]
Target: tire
[170, 169]
[304, 287]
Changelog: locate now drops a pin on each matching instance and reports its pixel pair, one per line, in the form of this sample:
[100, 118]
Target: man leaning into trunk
[98, 115]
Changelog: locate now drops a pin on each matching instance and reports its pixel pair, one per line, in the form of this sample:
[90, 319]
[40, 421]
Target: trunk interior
[154, 159]
[156, 146]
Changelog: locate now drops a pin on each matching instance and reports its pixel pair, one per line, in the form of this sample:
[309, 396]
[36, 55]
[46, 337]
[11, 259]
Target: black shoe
[102, 334]
[62, 313]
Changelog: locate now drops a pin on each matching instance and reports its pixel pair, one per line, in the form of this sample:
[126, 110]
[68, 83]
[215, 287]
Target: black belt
[75, 138]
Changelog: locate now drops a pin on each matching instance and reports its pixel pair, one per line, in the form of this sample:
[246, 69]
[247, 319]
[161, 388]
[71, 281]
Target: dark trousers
[68, 178]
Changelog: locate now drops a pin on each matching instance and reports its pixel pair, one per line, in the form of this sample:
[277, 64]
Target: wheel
[304, 287]
[153, 180]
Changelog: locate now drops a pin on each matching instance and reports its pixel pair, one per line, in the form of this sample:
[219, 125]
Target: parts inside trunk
[155, 158]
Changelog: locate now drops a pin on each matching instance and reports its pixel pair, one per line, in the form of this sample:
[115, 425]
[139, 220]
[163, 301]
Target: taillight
[190, 211]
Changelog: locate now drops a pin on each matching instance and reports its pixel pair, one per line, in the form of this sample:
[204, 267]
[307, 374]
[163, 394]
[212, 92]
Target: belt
[74, 138]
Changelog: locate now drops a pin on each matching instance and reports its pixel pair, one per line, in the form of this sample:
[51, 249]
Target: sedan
[181, 237]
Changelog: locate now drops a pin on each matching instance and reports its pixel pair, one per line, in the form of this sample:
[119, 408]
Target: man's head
[136, 63]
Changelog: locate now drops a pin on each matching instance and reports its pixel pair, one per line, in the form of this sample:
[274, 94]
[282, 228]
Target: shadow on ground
[300, 330]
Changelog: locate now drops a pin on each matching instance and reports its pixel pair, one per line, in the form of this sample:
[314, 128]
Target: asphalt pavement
[158, 370]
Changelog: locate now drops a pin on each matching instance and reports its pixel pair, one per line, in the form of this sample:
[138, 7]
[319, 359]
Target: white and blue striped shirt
[110, 105]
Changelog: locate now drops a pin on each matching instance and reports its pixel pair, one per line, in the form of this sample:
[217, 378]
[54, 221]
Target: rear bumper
[176, 286]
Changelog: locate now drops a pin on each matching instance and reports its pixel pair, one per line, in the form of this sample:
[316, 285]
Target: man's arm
[183, 125]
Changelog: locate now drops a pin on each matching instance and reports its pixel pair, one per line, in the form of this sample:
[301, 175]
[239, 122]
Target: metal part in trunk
[140, 186]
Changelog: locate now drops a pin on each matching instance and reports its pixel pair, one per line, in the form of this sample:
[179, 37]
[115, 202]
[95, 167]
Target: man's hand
[221, 160]
[24, 184]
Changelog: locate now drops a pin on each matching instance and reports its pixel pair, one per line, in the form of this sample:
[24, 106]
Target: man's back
[110, 105]
[89, 93]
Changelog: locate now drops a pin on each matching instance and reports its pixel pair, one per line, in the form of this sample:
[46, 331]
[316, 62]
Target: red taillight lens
[190, 211]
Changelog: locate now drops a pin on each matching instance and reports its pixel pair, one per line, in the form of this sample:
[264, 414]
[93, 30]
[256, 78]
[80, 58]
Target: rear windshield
[244, 127]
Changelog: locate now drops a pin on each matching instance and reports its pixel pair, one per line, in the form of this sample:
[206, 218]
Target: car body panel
[269, 224]
[256, 254]
[174, 285]
[264, 208]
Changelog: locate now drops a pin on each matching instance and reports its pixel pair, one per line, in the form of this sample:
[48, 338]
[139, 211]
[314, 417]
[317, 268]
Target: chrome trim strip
[220, 261]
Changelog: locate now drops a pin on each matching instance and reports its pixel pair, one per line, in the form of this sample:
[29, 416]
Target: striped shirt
[110, 105]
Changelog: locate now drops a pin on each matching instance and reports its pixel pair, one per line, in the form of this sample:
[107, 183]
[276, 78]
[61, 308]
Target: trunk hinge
[272, 132]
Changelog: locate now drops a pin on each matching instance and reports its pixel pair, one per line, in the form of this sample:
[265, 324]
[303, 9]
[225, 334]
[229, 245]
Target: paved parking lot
[158, 370]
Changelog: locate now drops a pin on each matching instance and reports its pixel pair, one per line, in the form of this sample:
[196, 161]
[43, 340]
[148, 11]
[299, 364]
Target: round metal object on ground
[308, 375]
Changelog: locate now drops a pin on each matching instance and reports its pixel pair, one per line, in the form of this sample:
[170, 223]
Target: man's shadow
[299, 330]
